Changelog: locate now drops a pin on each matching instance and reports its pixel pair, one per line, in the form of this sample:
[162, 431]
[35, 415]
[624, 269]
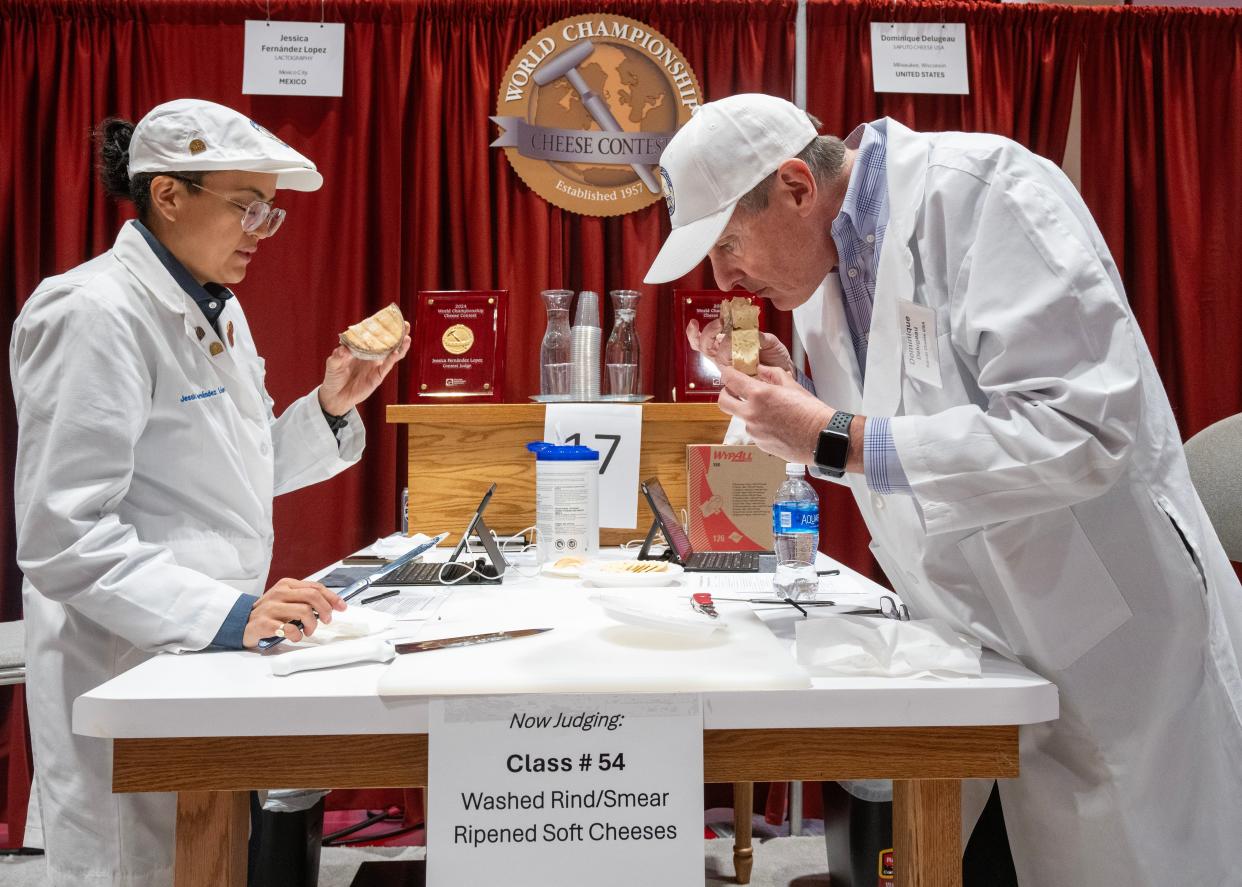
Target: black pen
[827, 572]
[380, 597]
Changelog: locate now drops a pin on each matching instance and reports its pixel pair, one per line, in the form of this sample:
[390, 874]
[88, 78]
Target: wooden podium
[456, 450]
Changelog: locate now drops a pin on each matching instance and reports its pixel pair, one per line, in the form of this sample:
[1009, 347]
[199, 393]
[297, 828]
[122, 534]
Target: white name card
[616, 431]
[927, 57]
[919, 342]
[533, 790]
[294, 58]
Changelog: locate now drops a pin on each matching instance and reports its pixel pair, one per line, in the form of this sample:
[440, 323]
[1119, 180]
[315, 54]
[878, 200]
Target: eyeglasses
[258, 217]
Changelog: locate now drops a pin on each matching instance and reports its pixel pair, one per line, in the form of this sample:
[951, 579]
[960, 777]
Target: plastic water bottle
[795, 533]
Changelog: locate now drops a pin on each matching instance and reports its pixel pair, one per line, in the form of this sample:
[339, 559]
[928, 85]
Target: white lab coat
[146, 468]
[1049, 491]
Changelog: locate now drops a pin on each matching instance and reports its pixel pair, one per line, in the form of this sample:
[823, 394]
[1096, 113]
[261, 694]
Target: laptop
[680, 549]
[454, 570]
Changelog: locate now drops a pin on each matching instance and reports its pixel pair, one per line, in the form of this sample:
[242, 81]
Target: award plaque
[696, 377]
[460, 340]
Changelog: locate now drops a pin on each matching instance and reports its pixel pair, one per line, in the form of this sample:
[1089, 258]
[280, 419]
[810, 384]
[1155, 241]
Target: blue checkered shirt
[858, 232]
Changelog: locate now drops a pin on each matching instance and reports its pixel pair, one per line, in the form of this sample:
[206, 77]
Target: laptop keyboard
[421, 573]
[726, 561]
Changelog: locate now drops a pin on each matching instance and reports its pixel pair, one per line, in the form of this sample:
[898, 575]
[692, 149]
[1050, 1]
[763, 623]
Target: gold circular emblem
[197, 146]
[586, 107]
[457, 339]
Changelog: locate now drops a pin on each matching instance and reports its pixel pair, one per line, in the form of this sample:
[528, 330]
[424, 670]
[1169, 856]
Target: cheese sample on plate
[377, 336]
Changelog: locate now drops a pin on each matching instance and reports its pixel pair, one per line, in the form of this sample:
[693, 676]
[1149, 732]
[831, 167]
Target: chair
[1214, 456]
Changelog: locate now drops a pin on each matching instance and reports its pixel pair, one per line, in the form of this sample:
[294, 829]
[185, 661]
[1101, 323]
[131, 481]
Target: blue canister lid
[547, 452]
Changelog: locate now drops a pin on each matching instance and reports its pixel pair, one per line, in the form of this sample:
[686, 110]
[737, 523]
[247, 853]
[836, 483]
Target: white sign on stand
[925, 57]
[294, 58]
[533, 790]
[615, 430]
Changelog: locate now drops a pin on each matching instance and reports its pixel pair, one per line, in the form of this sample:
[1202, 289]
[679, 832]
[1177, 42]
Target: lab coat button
[877, 501]
[264, 448]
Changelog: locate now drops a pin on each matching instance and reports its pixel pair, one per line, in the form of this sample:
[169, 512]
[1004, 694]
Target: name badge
[919, 352]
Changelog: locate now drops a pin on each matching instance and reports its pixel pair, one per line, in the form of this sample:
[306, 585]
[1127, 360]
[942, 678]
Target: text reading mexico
[587, 106]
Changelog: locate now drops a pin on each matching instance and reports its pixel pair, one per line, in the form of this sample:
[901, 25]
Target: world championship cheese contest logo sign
[587, 106]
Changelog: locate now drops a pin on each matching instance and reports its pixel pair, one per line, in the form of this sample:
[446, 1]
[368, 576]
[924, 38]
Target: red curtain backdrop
[413, 197]
[1021, 60]
[1162, 173]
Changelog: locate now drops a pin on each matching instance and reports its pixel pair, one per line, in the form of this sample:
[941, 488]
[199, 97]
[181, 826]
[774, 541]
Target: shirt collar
[209, 297]
[861, 207]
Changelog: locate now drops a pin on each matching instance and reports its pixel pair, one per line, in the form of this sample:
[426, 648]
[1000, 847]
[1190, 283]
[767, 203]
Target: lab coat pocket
[1178, 541]
[1052, 595]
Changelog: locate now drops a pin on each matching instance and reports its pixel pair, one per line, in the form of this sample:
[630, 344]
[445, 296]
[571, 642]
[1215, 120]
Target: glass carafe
[621, 354]
[554, 357]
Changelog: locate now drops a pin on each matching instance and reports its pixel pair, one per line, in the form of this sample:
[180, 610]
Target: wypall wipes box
[729, 492]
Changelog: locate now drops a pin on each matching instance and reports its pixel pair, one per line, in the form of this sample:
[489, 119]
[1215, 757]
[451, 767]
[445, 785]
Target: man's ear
[166, 197]
[796, 184]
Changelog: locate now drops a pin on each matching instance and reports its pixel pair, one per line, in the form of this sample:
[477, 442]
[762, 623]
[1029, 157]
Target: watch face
[832, 450]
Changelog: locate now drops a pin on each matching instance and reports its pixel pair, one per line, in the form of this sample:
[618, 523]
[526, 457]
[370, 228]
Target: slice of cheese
[746, 351]
[739, 319]
[377, 336]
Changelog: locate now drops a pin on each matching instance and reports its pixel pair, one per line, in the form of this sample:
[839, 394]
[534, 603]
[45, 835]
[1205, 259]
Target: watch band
[840, 421]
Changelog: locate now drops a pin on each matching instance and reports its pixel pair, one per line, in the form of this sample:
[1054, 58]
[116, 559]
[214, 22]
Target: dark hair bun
[112, 141]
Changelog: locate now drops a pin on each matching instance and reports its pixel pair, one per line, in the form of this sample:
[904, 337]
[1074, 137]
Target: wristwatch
[833, 448]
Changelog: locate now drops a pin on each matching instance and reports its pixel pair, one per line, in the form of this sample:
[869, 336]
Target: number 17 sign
[615, 430]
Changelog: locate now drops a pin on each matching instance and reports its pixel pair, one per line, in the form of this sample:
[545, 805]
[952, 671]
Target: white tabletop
[235, 694]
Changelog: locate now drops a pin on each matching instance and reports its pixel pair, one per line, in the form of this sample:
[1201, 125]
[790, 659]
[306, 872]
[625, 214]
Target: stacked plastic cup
[584, 348]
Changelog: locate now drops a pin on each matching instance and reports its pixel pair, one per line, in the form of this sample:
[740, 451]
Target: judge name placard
[697, 378]
[459, 341]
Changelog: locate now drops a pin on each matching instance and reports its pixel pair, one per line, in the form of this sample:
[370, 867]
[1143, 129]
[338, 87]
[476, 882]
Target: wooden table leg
[743, 807]
[927, 832]
[213, 829]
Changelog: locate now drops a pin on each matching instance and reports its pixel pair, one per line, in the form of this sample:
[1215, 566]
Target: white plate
[594, 572]
[549, 569]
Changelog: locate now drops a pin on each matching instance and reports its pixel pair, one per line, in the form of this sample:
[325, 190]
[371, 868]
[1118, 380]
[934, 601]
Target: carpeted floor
[779, 862]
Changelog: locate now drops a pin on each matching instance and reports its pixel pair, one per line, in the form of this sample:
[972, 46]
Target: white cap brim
[299, 179]
[688, 245]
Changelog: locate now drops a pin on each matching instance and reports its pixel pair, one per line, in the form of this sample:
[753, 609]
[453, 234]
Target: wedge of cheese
[739, 319]
[376, 337]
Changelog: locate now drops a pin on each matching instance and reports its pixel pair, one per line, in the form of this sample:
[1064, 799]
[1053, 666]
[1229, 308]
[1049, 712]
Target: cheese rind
[377, 336]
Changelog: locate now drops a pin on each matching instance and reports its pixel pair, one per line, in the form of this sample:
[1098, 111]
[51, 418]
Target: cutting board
[588, 652]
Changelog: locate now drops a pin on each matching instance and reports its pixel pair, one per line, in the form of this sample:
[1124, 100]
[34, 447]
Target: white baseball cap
[726, 149]
[192, 135]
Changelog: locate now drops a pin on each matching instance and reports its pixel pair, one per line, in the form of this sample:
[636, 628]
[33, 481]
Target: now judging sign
[583, 789]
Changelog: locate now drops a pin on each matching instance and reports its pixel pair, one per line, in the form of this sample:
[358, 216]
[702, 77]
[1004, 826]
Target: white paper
[411, 605]
[925, 57]
[294, 58]
[615, 430]
[920, 351]
[621, 763]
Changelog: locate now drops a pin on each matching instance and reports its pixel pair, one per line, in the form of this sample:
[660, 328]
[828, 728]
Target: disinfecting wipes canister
[566, 500]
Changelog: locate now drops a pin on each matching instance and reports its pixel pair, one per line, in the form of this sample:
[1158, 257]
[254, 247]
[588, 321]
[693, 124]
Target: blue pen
[363, 584]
